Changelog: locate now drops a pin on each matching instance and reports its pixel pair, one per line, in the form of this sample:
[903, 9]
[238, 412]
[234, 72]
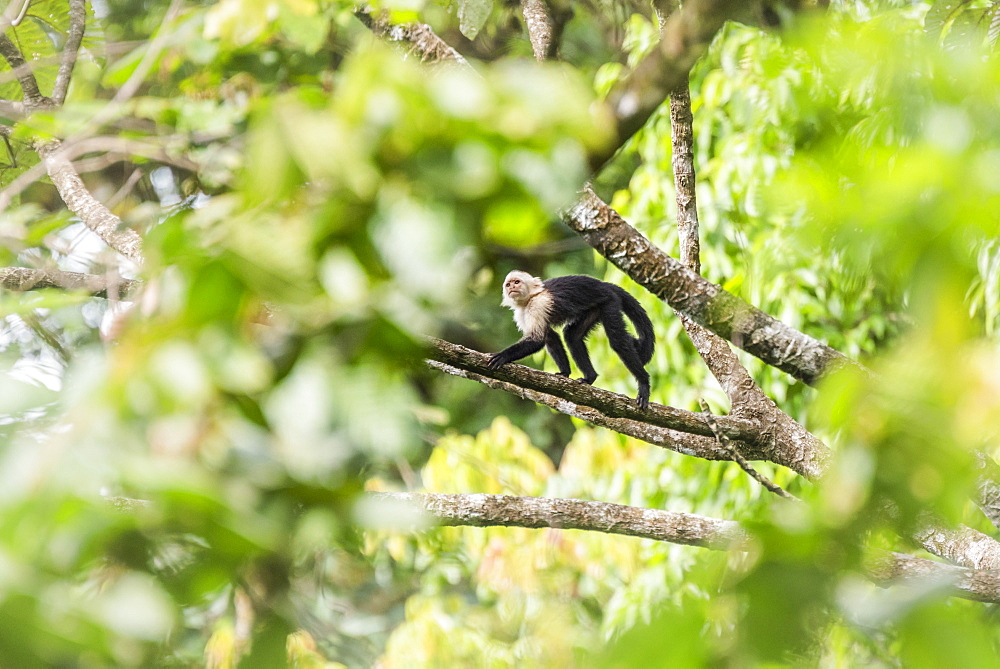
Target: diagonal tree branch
[610, 403]
[962, 546]
[419, 39]
[704, 302]
[898, 568]
[78, 199]
[684, 37]
[29, 85]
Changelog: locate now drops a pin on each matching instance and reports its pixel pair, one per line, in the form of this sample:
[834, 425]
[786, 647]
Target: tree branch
[897, 569]
[78, 199]
[610, 403]
[418, 38]
[743, 392]
[26, 278]
[77, 25]
[685, 36]
[675, 440]
[808, 461]
[540, 28]
[479, 510]
[745, 396]
[545, 20]
[962, 546]
[29, 85]
[707, 304]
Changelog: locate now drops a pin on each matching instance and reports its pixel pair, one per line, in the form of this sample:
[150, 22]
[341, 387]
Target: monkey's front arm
[516, 351]
[527, 346]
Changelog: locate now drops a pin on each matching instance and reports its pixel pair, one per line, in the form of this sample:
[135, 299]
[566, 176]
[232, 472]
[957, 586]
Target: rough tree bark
[480, 510]
[416, 39]
[756, 444]
[702, 301]
[746, 398]
[24, 278]
[78, 199]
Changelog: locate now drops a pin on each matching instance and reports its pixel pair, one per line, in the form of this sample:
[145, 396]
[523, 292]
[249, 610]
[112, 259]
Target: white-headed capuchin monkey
[579, 302]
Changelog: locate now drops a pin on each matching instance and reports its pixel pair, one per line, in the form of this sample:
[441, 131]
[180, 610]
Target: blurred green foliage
[351, 201]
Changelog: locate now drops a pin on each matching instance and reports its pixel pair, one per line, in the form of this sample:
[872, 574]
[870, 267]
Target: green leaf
[472, 15]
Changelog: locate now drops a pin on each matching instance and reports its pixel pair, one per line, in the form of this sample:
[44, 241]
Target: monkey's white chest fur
[533, 318]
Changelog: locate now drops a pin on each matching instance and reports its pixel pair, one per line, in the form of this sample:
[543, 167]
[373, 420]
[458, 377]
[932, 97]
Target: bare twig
[77, 25]
[726, 443]
[136, 79]
[126, 188]
[116, 149]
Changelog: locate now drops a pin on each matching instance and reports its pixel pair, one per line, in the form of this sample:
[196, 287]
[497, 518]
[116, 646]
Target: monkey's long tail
[646, 340]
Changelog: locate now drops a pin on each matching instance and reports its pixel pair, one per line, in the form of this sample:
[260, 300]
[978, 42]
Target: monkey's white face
[531, 303]
[519, 287]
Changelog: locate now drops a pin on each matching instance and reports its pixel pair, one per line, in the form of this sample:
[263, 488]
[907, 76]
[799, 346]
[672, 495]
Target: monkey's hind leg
[624, 345]
[553, 344]
[575, 334]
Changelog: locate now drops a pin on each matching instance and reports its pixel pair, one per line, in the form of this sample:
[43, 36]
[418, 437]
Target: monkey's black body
[580, 303]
